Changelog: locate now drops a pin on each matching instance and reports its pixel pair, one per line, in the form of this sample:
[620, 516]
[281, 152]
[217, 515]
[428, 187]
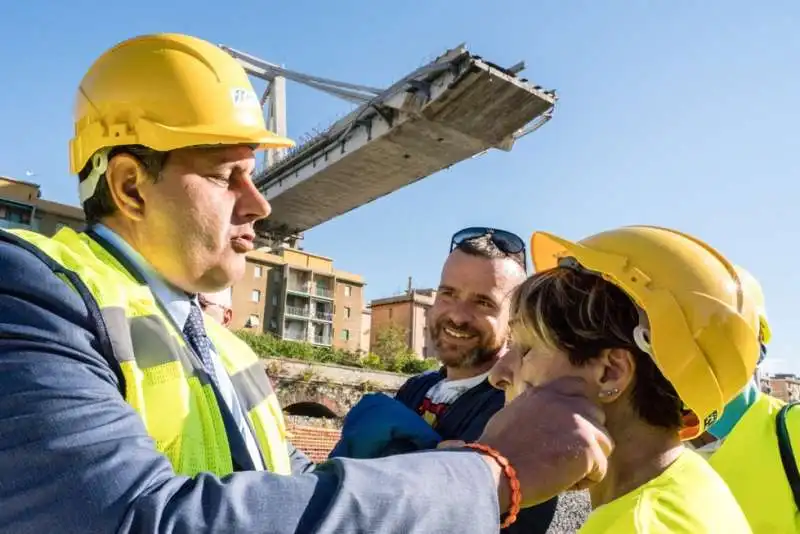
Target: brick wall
[315, 442]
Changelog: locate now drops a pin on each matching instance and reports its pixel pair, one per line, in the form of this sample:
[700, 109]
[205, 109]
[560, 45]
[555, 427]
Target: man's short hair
[101, 204]
[484, 247]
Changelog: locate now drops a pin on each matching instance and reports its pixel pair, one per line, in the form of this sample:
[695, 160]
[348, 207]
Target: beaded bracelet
[511, 475]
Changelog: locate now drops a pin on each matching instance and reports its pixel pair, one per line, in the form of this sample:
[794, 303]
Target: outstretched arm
[75, 457]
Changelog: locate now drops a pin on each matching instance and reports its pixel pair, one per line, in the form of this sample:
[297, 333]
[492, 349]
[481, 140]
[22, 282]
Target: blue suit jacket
[75, 457]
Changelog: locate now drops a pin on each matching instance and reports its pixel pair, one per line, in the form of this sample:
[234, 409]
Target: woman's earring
[609, 393]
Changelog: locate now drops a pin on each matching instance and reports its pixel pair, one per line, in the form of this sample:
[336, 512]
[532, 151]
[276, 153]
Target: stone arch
[306, 401]
[310, 409]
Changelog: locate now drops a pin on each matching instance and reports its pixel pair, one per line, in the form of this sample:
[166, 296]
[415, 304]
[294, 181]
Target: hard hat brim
[203, 135]
[166, 138]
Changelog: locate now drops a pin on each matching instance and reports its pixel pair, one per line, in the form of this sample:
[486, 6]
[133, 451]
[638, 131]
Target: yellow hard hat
[703, 332]
[166, 91]
[752, 289]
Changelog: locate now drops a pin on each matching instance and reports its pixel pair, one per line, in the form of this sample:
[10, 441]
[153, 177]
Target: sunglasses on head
[507, 242]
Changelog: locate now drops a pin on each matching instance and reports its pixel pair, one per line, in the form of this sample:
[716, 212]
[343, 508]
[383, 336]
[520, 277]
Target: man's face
[198, 218]
[469, 318]
[219, 313]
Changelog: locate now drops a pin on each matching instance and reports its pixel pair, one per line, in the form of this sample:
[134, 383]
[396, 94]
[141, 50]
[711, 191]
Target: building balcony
[11, 225]
[295, 336]
[322, 340]
[322, 316]
[323, 292]
[297, 311]
[299, 287]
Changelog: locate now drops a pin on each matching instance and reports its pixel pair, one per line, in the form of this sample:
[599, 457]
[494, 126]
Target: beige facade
[299, 296]
[21, 206]
[366, 329]
[783, 386]
[410, 312]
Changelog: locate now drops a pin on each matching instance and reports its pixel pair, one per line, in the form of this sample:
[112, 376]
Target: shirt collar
[176, 302]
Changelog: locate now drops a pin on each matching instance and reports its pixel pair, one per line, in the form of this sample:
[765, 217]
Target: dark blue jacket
[75, 457]
[465, 420]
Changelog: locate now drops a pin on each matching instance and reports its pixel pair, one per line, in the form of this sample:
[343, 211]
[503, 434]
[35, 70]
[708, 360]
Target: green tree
[399, 360]
[391, 343]
[391, 346]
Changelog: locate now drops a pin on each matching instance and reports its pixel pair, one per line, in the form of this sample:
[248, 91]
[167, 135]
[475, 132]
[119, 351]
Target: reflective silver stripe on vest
[147, 341]
[252, 385]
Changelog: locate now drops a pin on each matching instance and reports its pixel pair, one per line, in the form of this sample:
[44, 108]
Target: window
[255, 295]
[253, 321]
[276, 274]
[274, 300]
[258, 271]
[347, 312]
[348, 290]
[345, 335]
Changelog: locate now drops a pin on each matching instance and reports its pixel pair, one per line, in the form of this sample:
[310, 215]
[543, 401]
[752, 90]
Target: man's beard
[483, 353]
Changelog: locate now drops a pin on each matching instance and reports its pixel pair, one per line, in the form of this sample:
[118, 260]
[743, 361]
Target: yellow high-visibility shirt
[749, 461]
[689, 497]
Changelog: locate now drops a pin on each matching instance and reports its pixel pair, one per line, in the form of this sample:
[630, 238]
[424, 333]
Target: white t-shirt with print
[444, 393]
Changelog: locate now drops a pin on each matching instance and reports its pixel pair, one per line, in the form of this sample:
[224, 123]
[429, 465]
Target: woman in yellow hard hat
[656, 323]
[746, 445]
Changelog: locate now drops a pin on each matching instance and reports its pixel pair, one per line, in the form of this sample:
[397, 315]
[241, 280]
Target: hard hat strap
[87, 187]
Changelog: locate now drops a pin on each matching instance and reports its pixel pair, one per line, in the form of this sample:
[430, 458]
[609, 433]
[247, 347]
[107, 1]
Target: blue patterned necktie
[195, 333]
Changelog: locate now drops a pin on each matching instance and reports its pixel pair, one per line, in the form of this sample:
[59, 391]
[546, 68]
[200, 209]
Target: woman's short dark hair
[581, 314]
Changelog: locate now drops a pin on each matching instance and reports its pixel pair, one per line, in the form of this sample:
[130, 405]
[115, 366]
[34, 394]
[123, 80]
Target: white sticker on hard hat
[244, 98]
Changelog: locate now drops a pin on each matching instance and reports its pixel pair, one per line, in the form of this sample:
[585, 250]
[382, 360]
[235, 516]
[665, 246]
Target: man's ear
[227, 317]
[616, 369]
[125, 176]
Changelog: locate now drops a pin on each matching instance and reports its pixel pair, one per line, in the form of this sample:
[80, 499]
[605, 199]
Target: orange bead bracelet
[511, 475]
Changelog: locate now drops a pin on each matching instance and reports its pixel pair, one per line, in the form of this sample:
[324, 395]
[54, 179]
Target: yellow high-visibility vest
[749, 461]
[164, 380]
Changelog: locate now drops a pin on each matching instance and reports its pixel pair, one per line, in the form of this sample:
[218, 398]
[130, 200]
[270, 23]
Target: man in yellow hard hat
[123, 408]
[755, 445]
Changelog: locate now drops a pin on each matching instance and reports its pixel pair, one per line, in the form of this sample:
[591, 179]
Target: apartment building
[21, 207]
[782, 386]
[408, 311]
[300, 296]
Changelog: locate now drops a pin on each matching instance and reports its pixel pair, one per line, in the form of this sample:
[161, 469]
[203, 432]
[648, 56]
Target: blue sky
[681, 114]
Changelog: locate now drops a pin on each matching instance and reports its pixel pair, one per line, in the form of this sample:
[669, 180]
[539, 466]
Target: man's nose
[460, 314]
[251, 205]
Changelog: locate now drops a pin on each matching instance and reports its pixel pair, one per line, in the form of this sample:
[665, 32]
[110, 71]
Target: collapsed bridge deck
[452, 109]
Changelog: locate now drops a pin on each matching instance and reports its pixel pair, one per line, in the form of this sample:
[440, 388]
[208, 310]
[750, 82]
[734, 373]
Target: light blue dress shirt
[178, 304]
